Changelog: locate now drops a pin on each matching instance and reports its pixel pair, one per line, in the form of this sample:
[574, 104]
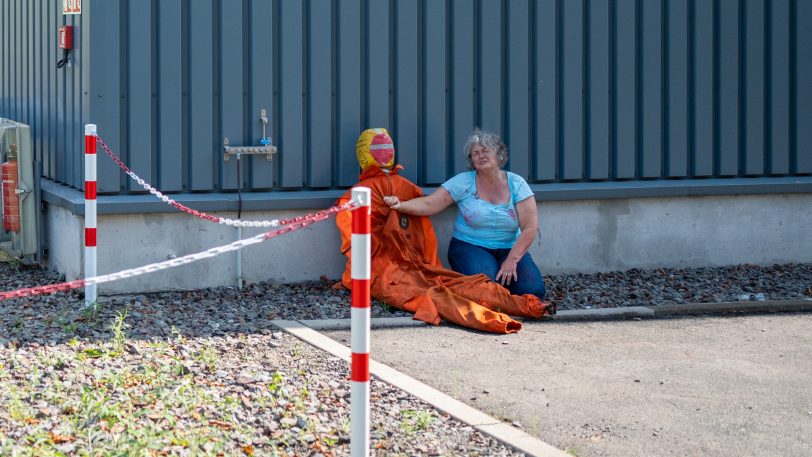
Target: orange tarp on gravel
[407, 274]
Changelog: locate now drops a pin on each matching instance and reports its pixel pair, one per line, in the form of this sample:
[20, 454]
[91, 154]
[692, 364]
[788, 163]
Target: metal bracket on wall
[268, 150]
[265, 147]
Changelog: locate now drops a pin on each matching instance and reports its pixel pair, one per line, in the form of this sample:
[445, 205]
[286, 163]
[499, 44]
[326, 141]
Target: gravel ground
[203, 372]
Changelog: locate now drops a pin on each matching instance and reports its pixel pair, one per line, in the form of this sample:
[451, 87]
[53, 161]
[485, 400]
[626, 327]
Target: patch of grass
[93, 399]
[571, 451]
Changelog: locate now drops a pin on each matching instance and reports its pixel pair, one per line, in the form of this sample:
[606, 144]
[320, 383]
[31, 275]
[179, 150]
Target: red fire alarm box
[66, 37]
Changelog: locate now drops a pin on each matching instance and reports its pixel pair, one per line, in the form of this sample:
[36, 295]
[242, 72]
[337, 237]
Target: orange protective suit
[407, 274]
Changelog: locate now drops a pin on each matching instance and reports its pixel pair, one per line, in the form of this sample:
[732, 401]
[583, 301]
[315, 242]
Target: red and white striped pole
[90, 211]
[359, 325]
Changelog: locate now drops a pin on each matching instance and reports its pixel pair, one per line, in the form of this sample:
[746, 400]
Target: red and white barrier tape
[184, 208]
[302, 222]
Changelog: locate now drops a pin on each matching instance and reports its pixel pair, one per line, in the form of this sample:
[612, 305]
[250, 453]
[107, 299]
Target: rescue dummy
[406, 272]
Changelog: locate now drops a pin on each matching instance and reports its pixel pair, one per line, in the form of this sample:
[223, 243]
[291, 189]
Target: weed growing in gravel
[117, 326]
[179, 338]
[16, 408]
[62, 320]
[208, 357]
[92, 312]
[329, 441]
[533, 426]
[415, 421]
[276, 382]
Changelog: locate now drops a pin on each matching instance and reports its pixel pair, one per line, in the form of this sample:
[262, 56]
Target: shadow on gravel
[220, 311]
[59, 318]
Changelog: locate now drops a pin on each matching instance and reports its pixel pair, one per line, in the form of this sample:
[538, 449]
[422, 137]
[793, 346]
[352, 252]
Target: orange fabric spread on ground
[407, 274]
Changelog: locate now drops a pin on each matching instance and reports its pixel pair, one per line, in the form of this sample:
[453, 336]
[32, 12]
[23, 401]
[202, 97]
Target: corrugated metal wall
[34, 92]
[580, 89]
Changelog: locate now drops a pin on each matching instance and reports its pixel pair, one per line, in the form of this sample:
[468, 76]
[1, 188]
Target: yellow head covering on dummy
[375, 147]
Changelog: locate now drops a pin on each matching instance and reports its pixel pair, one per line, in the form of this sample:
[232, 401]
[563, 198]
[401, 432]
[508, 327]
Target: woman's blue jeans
[469, 259]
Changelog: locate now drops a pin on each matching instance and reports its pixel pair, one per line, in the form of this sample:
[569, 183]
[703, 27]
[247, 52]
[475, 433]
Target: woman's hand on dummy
[507, 272]
[392, 201]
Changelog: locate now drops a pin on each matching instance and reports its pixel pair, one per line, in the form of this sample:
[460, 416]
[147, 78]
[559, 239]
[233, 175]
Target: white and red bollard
[90, 212]
[360, 323]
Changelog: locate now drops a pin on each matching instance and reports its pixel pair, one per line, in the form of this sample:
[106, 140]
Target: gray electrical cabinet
[20, 193]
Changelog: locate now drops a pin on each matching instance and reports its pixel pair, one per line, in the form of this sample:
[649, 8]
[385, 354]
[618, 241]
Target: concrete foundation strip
[488, 425]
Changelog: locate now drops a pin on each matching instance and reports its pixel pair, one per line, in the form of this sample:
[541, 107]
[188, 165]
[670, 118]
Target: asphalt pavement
[624, 382]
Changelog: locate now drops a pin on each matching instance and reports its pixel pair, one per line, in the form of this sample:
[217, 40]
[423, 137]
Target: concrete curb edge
[626, 312]
[486, 424]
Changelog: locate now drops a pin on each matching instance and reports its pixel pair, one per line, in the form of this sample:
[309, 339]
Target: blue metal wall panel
[36, 76]
[48, 68]
[598, 138]
[204, 139]
[171, 95]
[546, 126]
[677, 99]
[517, 123]
[261, 74]
[802, 101]
[650, 150]
[261, 61]
[436, 96]
[754, 78]
[5, 56]
[580, 90]
[704, 72]
[572, 90]
[729, 111]
[320, 100]
[626, 93]
[408, 69]
[171, 114]
[231, 86]
[139, 100]
[291, 111]
[491, 63]
[348, 89]
[778, 116]
[463, 72]
[25, 52]
[377, 65]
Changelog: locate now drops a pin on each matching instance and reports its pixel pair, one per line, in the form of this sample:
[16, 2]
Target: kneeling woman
[497, 219]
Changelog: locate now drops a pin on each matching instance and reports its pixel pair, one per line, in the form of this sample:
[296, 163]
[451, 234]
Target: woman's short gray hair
[486, 140]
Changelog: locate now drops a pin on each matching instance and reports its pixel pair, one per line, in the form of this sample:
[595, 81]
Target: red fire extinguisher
[11, 202]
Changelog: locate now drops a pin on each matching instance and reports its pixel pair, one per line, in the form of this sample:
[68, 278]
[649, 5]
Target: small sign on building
[71, 6]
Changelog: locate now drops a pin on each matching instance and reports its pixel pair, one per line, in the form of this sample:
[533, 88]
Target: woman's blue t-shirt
[483, 223]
